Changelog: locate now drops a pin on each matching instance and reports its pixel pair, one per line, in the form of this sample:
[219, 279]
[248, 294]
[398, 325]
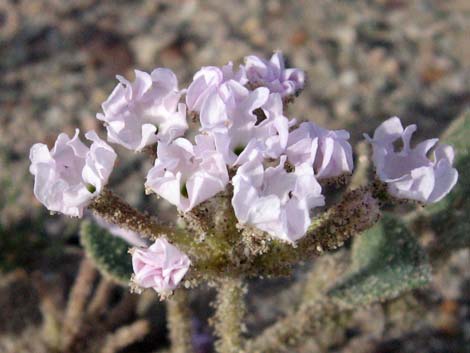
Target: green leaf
[386, 261]
[109, 253]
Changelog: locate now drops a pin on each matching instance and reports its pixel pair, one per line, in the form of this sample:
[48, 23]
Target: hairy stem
[179, 322]
[318, 279]
[78, 297]
[288, 332]
[230, 311]
[98, 304]
[117, 211]
[125, 336]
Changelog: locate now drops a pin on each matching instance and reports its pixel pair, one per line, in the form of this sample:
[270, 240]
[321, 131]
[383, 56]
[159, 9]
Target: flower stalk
[179, 321]
[228, 319]
[115, 210]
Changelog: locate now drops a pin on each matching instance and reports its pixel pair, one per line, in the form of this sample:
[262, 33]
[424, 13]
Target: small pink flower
[327, 150]
[268, 138]
[140, 113]
[273, 74]
[70, 175]
[274, 200]
[161, 266]
[185, 174]
[207, 80]
[409, 173]
[231, 105]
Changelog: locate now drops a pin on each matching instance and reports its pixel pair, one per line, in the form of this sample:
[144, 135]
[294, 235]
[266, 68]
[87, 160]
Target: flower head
[70, 175]
[161, 266]
[274, 200]
[409, 173]
[140, 113]
[273, 74]
[327, 150]
[185, 174]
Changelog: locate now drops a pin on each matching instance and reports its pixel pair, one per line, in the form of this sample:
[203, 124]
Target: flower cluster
[273, 164]
[243, 132]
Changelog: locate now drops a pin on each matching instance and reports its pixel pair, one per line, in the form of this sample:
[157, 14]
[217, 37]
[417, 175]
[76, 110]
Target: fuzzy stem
[101, 297]
[318, 279]
[125, 336]
[230, 311]
[289, 331]
[115, 210]
[179, 322]
[79, 294]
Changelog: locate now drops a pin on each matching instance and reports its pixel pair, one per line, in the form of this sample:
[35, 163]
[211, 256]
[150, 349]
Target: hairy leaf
[109, 253]
[386, 261]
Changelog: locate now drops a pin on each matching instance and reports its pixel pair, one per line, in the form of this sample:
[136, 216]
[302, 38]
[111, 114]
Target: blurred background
[365, 61]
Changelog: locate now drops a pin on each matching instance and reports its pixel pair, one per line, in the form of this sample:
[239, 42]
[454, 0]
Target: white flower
[231, 105]
[273, 74]
[274, 200]
[187, 175]
[145, 111]
[327, 150]
[268, 138]
[160, 267]
[409, 173]
[70, 175]
[207, 80]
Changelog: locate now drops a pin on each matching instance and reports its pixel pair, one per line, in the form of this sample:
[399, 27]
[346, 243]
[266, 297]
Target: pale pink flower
[327, 150]
[408, 172]
[273, 74]
[268, 138]
[70, 175]
[207, 80]
[274, 200]
[145, 111]
[186, 175]
[160, 267]
[231, 105]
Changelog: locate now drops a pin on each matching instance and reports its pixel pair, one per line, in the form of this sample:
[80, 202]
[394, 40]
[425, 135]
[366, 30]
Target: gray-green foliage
[109, 253]
[450, 217]
[386, 261]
